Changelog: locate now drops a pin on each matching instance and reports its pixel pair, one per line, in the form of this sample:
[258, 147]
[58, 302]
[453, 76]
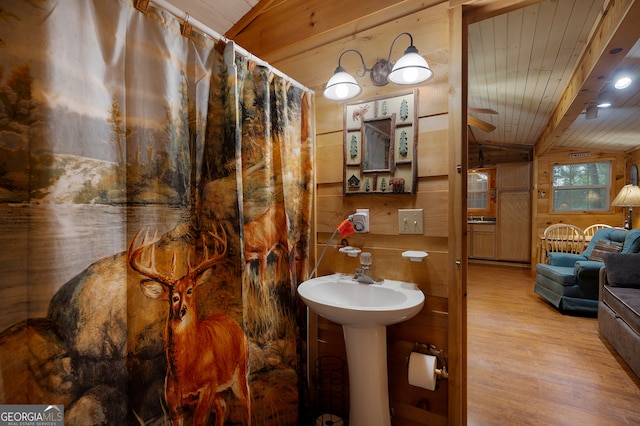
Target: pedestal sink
[364, 310]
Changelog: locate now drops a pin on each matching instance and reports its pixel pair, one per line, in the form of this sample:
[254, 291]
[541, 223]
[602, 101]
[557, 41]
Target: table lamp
[629, 196]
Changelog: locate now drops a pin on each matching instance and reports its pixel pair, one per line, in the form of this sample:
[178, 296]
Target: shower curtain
[155, 193]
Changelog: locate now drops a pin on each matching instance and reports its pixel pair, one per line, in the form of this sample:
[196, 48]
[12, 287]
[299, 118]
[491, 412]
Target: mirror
[378, 145]
[380, 138]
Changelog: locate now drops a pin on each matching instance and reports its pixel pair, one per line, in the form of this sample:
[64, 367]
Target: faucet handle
[365, 258]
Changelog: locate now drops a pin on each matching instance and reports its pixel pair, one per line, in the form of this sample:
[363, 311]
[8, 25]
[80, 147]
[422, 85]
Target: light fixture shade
[411, 68]
[629, 196]
[341, 86]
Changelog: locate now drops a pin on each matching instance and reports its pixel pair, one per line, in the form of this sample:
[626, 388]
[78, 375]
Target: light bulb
[622, 83]
[410, 75]
[342, 91]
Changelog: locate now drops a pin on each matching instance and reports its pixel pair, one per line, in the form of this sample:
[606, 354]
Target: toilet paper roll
[329, 420]
[422, 370]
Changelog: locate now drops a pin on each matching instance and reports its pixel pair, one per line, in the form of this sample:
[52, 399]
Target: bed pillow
[623, 269]
[602, 247]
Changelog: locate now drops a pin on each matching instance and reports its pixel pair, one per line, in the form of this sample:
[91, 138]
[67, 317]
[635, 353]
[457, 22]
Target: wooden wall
[430, 30]
[311, 58]
[304, 38]
[543, 215]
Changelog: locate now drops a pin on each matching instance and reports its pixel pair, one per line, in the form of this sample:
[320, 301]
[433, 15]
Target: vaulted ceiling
[537, 67]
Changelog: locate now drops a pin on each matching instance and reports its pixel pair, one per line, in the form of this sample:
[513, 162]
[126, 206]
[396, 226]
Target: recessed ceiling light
[622, 83]
[604, 100]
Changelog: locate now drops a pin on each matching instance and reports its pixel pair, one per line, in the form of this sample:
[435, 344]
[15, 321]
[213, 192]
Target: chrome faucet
[363, 274]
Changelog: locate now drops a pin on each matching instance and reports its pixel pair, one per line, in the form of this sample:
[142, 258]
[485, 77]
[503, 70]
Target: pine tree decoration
[403, 149]
[404, 109]
[353, 150]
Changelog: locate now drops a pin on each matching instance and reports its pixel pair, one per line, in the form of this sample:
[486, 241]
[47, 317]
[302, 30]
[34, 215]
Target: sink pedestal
[368, 384]
[364, 310]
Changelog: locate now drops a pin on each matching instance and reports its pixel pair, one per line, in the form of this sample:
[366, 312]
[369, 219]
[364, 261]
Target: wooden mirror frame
[399, 174]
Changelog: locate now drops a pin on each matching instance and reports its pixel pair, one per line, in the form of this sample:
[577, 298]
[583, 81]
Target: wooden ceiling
[539, 66]
[521, 62]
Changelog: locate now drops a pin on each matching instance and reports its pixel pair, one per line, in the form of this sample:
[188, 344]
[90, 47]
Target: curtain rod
[164, 4]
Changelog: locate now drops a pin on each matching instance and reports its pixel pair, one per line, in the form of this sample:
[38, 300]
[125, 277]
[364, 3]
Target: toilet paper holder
[430, 349]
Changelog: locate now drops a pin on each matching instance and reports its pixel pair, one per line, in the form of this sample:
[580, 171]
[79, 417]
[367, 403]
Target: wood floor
[530, 365]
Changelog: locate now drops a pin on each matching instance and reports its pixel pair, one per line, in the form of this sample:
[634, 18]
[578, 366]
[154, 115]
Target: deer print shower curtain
[155, 193]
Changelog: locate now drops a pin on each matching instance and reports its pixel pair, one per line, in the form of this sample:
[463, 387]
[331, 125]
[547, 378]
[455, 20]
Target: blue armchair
[570, 281]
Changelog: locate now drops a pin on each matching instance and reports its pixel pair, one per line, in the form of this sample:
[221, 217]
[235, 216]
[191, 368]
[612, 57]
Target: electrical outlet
[410, 221]
[361, 220]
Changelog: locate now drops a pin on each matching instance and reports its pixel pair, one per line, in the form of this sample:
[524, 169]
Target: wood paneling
[513, 177]
[278, 31]
[544, 216]
[410, 402]
[434, 150]
[330, 149]
[514, 212]
[457, 260]
[494, 154]
[617, 29]
[520, 62]
[430, 30]
[383, 210]
[523, 53]
[514, 225]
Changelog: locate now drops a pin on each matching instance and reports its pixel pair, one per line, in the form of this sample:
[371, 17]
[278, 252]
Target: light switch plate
[410, 221]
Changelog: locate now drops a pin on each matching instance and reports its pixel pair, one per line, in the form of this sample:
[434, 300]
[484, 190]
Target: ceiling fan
[481, 124]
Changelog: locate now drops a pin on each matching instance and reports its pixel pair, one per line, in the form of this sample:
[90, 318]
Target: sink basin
[364, 310]
[343, 300]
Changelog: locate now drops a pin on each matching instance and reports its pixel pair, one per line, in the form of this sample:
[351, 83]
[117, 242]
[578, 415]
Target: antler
[219, 237]
[142, 258]
[135, 257]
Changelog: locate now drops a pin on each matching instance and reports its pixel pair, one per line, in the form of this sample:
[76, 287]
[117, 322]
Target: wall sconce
[411, 68]
[629, 196]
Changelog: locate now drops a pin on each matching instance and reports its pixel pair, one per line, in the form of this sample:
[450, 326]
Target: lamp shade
[629, 196]
[341, 86]
[411, 68]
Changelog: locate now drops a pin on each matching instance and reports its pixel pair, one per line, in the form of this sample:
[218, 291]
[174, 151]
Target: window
[478, 190]
[581, 186]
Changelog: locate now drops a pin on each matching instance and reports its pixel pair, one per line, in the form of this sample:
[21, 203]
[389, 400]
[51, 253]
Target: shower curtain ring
[186, 27]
